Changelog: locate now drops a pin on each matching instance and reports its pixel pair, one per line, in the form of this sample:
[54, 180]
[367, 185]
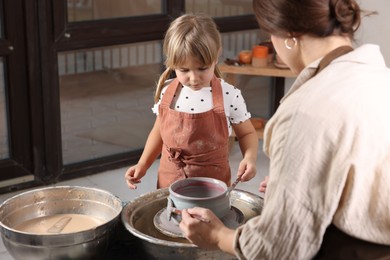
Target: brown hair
[190, 35]
[320, 18]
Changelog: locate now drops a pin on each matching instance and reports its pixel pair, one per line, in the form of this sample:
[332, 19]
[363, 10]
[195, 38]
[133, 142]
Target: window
[220, 8]
[89, 10]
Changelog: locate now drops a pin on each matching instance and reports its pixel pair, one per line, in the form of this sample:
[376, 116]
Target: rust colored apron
[194, 145]
[337, 245]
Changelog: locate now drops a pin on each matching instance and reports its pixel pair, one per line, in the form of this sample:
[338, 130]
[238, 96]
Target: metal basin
[85, 244]
[137, 217]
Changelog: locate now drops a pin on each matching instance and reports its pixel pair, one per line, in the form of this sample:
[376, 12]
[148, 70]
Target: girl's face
[195, 74]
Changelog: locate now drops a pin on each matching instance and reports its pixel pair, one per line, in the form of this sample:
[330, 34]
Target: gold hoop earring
[288, 46]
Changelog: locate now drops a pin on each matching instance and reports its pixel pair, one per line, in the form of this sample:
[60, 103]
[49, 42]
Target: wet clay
[77, 223]
[200, 189]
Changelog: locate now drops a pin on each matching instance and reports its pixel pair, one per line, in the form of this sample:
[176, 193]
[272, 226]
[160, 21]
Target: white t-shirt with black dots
[199, 101]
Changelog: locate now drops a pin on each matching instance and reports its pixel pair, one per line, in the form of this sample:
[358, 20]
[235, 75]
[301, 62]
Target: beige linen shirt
[329, 150]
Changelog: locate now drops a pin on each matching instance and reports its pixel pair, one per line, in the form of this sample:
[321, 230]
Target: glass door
[15, 122]
[106, 93]
[107, 57]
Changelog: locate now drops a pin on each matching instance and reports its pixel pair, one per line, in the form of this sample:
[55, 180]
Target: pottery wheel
[232, 219]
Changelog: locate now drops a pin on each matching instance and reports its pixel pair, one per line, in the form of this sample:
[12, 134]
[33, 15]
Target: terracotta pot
[245, 57]
[260, 56]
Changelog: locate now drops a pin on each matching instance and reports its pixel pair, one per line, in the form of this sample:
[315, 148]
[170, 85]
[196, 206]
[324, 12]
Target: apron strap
[217, 95]
[169, 93]
[340, 51]
[216, 87]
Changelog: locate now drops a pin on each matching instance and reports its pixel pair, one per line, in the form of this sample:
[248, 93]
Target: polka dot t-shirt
[199, 101]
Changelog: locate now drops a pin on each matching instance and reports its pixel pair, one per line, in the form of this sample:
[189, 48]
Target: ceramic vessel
[245, 57]
[260, 56]
[200, 192]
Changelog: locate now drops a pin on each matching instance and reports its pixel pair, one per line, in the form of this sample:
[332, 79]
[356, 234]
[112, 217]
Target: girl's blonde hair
[190, 35]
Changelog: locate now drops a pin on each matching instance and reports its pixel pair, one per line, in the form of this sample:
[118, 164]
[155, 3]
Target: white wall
[375, 28]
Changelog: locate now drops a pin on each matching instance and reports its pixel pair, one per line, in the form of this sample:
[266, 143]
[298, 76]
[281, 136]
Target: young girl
[196, 111]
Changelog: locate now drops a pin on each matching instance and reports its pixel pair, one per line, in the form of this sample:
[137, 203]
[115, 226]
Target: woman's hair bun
[346, 15]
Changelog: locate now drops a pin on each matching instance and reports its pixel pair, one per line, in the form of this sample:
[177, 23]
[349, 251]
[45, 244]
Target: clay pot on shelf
[271, 50]
[245, 57]
[260, 56]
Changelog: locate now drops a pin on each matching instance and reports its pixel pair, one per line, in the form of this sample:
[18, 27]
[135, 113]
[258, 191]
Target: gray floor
[113, 181]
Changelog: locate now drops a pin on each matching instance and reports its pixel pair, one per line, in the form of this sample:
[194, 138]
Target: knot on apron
[176, 157]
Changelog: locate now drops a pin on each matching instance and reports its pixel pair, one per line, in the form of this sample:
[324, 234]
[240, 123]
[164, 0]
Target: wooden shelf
[269, 71]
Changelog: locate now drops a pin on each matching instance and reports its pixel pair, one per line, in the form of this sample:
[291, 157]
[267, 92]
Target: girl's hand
[133, 176]
[247, 170]
[263, 184]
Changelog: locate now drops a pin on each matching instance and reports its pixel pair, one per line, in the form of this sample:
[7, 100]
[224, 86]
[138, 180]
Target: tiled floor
[113, 181]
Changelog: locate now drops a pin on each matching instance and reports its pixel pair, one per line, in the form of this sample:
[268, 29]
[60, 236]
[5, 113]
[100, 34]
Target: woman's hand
[210, 234]
[263, 184]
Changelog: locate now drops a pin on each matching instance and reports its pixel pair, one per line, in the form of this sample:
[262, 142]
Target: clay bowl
[200, 192]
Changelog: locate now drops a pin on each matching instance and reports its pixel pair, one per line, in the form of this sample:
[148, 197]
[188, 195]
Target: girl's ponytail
[160, 84]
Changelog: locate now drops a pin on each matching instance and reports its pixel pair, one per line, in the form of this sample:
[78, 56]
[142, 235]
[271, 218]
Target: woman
[328, 143]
